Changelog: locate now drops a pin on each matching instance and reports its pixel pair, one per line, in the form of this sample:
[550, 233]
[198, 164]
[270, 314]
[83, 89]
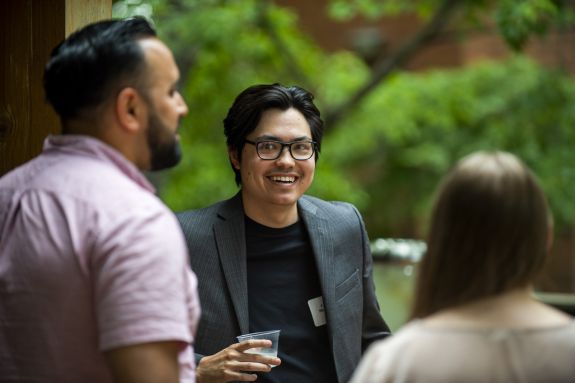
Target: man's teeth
[283, 179]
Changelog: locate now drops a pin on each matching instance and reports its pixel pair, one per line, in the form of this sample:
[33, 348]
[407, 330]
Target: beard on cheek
[165, 151]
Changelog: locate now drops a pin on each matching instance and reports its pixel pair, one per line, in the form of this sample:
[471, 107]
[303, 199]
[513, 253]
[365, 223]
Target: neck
[276, 216]
[81, 127]
[105, 128]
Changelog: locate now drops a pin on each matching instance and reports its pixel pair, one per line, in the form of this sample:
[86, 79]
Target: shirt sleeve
[143, 288]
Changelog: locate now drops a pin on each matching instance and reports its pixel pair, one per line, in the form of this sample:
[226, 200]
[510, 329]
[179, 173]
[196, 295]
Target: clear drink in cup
[272, 335]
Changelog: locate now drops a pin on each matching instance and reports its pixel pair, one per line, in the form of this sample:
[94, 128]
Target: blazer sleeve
[374, 326]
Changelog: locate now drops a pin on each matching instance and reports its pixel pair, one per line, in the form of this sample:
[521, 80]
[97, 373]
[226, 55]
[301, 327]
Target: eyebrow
[275, 138]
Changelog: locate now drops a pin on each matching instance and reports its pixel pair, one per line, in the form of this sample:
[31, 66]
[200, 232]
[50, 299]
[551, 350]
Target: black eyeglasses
[272, 149]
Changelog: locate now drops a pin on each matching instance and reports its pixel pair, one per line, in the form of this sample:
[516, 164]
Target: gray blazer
[216, 242]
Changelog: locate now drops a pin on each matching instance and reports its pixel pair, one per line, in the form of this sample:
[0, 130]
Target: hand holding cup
[236, 363]
[267, 351]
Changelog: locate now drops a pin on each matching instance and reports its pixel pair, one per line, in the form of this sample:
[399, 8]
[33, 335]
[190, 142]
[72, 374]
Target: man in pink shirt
[94, 280]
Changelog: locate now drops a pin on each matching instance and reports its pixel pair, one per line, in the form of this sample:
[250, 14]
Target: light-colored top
[90, 260]
[419, 353]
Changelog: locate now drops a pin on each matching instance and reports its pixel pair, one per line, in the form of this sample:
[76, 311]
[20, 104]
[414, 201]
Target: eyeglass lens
[299, 150]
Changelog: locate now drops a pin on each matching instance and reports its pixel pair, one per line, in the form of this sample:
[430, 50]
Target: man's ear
[233, 154]
[130, 109]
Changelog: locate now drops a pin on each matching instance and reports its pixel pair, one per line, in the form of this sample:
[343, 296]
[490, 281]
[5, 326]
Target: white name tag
[317, 311]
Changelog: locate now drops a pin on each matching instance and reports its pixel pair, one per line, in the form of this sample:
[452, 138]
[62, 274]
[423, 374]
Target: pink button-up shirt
[90, 260]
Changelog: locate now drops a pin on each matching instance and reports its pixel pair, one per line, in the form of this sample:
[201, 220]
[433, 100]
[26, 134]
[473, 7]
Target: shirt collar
[93, 147]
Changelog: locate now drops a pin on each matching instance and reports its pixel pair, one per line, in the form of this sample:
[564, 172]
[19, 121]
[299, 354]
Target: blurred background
[405, 88]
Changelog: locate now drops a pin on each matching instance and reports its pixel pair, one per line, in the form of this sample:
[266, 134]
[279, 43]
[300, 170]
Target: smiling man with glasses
[272, 258]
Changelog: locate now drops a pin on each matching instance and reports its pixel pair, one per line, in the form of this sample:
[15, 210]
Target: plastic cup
[272, 335]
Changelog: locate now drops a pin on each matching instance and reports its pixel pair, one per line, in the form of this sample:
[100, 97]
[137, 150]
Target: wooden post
[29, 30]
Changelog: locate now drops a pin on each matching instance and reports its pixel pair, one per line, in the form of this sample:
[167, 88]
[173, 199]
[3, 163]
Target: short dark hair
[93, 63]
[488, 233]
[246, 111]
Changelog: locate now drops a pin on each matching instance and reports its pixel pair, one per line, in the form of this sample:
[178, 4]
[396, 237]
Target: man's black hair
[94, 63]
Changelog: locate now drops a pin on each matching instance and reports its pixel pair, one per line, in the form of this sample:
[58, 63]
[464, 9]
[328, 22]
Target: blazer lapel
[230, 239]
[322, 244]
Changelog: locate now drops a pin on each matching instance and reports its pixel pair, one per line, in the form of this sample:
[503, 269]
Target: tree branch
[292, 63]
[429, 32]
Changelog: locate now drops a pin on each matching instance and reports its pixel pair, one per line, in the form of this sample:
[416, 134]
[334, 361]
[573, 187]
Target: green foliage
[417, 125]
[517, 20]
[345, 10]
[387, 155]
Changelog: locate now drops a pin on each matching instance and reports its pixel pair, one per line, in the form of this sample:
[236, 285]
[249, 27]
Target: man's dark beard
[165, 151]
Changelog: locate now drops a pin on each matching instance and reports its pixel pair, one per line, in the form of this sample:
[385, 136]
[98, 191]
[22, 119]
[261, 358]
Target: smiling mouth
[283, 179]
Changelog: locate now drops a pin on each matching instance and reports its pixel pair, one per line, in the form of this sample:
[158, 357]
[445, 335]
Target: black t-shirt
[282, 278]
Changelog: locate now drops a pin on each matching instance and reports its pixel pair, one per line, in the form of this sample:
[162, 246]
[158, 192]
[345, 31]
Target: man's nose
[285, 156]
[182, 107]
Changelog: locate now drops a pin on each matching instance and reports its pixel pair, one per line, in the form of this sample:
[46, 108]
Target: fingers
[249, 350]
[232, 364]
[238, 355]
[274, 361]
[251, 367]
[252, 343]
[243, 371]
[236, 376]
[255, 363]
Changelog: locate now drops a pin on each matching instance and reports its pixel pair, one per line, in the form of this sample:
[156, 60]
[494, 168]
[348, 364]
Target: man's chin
[162, 160]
